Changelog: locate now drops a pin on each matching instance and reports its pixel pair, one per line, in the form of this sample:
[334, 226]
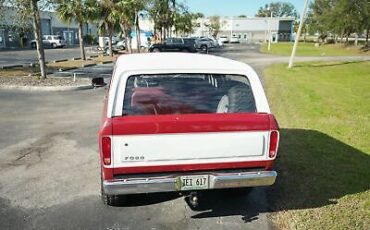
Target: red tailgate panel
[190, 123]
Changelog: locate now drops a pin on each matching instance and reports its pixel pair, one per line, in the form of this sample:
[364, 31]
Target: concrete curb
[61, 60]
[66, 69]
[87, 65]
[75, 58]
[11, 66]
[46, 88]
[105, 62]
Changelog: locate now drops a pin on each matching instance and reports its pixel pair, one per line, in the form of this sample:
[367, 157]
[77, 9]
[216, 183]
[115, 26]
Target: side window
[50, 38]
[177, 41]
[169, 41]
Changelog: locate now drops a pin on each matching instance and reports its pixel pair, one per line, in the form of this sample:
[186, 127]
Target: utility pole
[298, 34]
[231, 28]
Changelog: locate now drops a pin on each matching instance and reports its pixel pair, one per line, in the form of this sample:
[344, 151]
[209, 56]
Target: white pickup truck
[184, 123]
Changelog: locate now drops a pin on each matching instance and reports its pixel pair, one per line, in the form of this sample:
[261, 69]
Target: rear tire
[156, 50]
[204, 48]
[54, 45]
[110, 200]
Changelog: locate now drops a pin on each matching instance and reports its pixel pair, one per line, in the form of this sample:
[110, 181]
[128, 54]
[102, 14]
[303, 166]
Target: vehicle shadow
[314, 170]
[222, 203]
[136, 200]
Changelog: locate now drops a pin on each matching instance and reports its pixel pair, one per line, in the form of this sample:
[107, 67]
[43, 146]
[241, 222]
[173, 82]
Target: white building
[250, 29]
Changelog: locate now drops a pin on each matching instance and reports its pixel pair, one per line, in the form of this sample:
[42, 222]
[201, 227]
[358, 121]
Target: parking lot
[49, 169]
[20, 57]
[50, 174]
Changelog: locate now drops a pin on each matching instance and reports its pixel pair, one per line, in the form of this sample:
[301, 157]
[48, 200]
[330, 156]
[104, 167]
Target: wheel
[110, 200]
[156, 50]
[54, 45]
[203, 48]
[33, 45]
[238, 99]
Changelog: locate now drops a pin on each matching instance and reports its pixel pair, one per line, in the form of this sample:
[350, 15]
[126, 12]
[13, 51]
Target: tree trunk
[127, 32]
[128, 43]
[137, 27]
[81, 38]
[356, 39]
[367, 38]
[110, 44]
[38, 34]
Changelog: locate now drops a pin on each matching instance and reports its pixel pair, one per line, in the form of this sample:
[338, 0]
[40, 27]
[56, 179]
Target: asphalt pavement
[21, 57]
[49, 169]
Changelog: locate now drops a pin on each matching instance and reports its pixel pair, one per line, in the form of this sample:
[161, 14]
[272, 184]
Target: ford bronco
[184, 123]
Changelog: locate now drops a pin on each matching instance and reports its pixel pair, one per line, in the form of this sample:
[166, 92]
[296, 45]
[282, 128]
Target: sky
[234, 7]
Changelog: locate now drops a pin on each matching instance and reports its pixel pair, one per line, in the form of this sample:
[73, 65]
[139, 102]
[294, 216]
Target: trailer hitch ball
[193, 198]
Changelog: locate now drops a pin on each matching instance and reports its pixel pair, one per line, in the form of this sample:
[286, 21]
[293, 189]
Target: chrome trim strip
[168, 183]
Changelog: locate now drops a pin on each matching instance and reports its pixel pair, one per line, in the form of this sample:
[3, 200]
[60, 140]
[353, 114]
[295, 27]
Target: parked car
[204, 44]
[184, 123]
[120, 45]
[175, 44]
[220, 43]
[54, 41]
[224, 39]
[234, 39]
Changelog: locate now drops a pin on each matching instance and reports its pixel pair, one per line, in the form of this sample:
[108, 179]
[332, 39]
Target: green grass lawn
[309, 49]
[324, 156]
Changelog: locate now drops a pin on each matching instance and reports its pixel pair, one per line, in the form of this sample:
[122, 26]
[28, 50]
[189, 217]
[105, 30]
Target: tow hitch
[193, 199]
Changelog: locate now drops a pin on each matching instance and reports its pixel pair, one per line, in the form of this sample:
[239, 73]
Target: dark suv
[175, 45]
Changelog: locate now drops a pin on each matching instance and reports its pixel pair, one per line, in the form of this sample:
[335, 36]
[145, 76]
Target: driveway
[49, 170]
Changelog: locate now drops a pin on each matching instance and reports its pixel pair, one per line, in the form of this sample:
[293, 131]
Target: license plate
[195, 182]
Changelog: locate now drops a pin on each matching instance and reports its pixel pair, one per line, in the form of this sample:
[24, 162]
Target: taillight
[274, 142]
[106, 149]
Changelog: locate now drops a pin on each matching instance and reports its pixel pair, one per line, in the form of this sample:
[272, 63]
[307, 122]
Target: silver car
[53, 41]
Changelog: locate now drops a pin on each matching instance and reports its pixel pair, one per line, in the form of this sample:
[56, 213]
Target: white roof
[176, 61]
[158, 63]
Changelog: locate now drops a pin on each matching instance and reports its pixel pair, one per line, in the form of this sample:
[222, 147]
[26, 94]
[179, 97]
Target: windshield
[187, 94]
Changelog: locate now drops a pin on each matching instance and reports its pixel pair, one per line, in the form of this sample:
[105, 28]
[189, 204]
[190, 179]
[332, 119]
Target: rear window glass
[187, 94]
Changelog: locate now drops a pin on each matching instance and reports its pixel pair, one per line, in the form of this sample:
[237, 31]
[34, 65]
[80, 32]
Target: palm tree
[80, 11]
[125, 18]
[109, 18]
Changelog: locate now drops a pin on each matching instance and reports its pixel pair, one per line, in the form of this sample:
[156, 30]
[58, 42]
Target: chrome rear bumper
[134, 185]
